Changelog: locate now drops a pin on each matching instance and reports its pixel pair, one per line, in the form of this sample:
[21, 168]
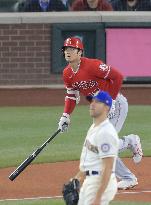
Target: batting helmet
[73, 42]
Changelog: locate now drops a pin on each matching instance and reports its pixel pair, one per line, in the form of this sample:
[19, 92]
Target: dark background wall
[26, 60]
[25, 55]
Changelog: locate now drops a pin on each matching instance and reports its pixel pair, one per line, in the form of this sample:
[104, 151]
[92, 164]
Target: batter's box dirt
[46, 180]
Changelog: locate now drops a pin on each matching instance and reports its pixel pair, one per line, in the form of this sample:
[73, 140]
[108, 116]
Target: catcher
[98, 158]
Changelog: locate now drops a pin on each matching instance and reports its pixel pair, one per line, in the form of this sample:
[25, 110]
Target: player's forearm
[72, 98]
[116, 80]
[117, 84]
[68, 109]
[80, 176]
[115, 75]
[69, 106]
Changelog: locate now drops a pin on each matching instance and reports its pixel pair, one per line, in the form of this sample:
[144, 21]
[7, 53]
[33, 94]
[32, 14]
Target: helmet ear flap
[81, 51]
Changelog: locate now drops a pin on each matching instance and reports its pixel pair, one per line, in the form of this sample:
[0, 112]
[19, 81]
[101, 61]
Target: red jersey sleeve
[71, 94]
[115, 82]
[110, 78]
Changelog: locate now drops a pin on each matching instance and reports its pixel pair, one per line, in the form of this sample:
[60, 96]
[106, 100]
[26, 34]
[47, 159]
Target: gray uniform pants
[118, 119]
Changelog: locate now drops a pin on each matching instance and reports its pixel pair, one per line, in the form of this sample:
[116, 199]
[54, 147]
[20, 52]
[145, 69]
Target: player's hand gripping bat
[31, 158]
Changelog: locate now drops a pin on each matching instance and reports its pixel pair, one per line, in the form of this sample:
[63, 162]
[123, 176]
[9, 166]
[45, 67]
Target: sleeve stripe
[71, 91]
[107, 73]
[72, 98]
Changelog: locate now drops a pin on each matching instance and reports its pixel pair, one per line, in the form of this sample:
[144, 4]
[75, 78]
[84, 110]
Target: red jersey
[92, 75]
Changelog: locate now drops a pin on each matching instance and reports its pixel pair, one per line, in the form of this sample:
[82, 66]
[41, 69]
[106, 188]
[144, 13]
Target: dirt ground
[47, 97]
[46, 180]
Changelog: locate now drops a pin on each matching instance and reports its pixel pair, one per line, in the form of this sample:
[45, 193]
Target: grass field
[23, 129]
[60, 202]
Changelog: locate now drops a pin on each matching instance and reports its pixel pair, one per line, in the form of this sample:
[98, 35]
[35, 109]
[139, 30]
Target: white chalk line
[59, 197]
[134, 192]
[32, 198]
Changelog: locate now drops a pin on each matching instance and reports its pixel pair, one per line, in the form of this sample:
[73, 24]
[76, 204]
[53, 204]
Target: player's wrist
[65, 115]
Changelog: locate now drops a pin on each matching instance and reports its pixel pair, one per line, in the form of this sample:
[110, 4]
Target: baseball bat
[31, 157]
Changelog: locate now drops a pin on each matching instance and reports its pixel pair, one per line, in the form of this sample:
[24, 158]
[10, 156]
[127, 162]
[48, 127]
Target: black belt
[88, 173]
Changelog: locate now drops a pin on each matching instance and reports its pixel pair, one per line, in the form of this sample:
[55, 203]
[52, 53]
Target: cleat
[136, 148]
[127, 184]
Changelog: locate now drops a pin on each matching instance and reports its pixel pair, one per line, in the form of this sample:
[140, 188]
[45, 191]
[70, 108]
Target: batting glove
[64, 122]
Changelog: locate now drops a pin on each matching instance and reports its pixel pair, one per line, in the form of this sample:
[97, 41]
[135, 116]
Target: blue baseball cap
[103, 97]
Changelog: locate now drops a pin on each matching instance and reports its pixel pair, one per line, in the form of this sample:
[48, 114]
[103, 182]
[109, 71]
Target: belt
[89, 173]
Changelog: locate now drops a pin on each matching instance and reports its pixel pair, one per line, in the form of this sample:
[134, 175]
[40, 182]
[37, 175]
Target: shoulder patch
[105, 147]
[104, 67]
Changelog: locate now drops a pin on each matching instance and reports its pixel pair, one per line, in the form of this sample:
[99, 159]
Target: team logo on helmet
[73, 42]
[68, 41]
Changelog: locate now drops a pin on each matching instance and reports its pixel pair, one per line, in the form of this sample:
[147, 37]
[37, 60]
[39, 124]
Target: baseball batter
[87, 76]
[98, 157]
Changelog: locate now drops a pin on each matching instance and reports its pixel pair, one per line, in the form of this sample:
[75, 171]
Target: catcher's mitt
[71, 192]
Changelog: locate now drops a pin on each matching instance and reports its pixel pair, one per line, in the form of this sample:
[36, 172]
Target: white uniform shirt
[101, 141]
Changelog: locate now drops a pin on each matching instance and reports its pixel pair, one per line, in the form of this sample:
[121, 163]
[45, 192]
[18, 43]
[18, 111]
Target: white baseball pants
[89, 189]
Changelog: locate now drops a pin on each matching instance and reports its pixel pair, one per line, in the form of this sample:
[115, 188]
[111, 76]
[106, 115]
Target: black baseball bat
[31, 157]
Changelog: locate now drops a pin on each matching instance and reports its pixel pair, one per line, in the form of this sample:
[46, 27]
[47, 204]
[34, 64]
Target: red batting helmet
[73, 42]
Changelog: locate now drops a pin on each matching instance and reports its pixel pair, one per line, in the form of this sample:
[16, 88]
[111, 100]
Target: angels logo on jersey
[104, 67]
[85, 84]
